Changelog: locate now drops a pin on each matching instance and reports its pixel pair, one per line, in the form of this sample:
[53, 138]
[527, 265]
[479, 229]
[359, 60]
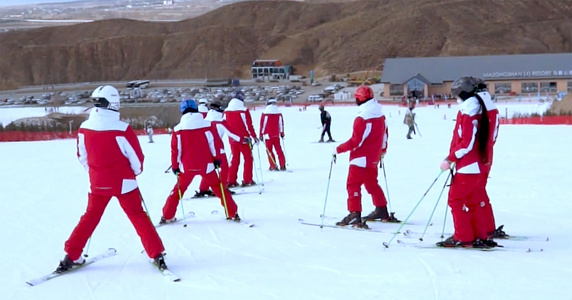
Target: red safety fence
[546, 120]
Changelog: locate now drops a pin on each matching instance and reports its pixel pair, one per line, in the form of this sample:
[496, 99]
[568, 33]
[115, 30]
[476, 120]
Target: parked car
[315, 98]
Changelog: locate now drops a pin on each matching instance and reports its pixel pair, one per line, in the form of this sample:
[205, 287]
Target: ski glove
[262, 138]
[216, 163]
[282, 134]
[445, 165]
[176, 171]
[247, 140]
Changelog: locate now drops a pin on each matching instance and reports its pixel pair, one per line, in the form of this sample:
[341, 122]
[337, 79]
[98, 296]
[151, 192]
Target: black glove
[262, 138]
[247, 140]
[176, 171]
[216, 163]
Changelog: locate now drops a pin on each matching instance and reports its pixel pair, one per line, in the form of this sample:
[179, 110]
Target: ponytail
[483, 128]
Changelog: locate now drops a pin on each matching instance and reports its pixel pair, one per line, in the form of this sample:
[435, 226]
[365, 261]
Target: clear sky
[25, 2]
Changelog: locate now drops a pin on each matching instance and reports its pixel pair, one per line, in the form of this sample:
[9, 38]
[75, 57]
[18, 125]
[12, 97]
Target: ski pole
[284, 150]
[418, 130]
[87, 248]
[386, 186]
[438, 199]
[446, 206]
[168, 169]
[327, 189]
[181, 202]
[260, 189]
[222, 193]
[414, 208]
[259, 165]
[270, 156]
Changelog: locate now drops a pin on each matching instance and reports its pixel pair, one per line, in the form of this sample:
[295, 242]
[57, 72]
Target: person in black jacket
[326, 119]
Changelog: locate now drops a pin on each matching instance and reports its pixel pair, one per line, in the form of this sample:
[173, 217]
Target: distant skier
[239, 121]
[367, 147]
[326, 120]
[469, 151]
[150, 133]
[409, 120]
[110, 151]
[193, 152]
[271, 130]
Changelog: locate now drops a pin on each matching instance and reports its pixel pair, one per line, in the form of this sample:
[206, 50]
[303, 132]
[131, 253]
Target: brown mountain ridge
[336, 37]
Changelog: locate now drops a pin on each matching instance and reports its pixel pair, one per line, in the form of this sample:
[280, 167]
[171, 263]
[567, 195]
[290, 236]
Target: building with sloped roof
[504, 74]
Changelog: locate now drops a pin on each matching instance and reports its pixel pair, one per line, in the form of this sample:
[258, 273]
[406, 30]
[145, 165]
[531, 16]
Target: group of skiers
[110, 151]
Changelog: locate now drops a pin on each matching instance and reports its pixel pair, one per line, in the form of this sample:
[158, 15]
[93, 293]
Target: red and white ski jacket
[271, 122]
[369, 138]
[493, 114]
[238, 119]
[218, 126]
[193, 145]
[110, 151]
[464, 150]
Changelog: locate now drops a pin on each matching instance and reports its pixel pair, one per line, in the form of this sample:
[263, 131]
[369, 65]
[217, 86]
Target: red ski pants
[467, 207]
[184, 179]
[204, 186]
[488, 217]
[367, 177]
[273, 144]
[131, 204]
[237, 149]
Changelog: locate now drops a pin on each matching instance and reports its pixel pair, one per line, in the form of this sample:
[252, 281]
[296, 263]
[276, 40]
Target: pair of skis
[192, 215]
[108, 253]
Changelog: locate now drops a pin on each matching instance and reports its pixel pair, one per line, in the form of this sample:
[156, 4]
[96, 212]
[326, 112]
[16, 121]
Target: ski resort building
[270, 69]
[505, 74]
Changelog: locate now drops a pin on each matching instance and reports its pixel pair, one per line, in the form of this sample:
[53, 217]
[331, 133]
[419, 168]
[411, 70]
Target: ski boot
[451, 242]
[201, 194]
[159, 261]
[231, 185]
[164, 221]
[478, 243]
[498, 234]
[353, 219]
[273, 169]
[236, 218]
[67, 264]
[283, 168]
[321, 140]
[245, 184]
[380, 214]
[491, 244]
[331, 141]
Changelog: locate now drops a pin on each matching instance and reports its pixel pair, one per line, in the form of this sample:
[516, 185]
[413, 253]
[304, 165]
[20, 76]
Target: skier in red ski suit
[193, 153]
[367, 146]
[239, 121]
[218, 126]
[271, 130]
[469, 152]
[110, 151]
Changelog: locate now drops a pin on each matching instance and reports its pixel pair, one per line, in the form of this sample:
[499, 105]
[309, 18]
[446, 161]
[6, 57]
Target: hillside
[336, 37]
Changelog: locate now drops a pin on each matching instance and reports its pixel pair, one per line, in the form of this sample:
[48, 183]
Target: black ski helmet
[464, 87]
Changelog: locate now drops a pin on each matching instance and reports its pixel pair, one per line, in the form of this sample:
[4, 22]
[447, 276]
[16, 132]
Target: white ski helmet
[203, 101]
[107, 97]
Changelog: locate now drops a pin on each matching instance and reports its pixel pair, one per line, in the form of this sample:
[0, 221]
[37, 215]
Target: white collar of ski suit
[192, 121]
[98, 112]
[271, 109]
[470, 107]
[370, 109]
[213, 115]
[235, 105]
[489, 104]
[203, 108]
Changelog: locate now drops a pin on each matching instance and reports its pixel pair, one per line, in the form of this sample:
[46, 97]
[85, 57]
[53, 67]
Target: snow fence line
[32, 136]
